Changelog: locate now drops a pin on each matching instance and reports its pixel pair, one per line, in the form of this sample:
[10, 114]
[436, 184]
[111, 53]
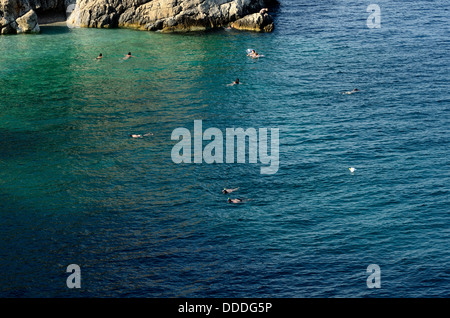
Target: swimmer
[128, 56]
[236, 82]
[226, 191]
[235, 200]
[141, 136]
[252, 53]
[351, 92]
[100, 56]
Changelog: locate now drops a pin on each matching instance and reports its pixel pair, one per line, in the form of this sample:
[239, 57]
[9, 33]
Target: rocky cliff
[17, 16]
[21, 16]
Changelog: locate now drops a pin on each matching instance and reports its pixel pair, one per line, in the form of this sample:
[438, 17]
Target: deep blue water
[75, 189]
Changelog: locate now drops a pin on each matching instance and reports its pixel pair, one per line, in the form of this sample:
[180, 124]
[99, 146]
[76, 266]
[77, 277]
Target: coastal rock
[22, 16]
[259, 22]
[152, 15]
[28, 23]
[164, 15]
[10, 10]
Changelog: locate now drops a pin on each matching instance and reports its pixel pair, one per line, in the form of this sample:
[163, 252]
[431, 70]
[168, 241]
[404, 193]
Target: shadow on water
[60, 28]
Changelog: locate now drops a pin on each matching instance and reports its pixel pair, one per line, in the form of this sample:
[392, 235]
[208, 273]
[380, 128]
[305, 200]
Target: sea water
[76, 189]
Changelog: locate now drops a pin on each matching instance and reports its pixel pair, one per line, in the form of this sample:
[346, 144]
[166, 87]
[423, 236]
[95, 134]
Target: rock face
[21, 16]
[163, 15]
[259, 22]
[28, 23]
[16, 15]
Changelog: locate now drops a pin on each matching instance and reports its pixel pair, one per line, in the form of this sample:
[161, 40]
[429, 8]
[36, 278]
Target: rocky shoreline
[25, 16]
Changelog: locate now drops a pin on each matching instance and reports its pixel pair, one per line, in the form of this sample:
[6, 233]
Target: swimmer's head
[237, 80]
[229, 200]
[129, 53]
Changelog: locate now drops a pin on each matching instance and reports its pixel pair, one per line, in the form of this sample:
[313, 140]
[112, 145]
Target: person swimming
[252, 53]
[140, 136]
[100, 56]
[226, 191]
[235, 200]
[128, 56]
[351, 92]
[236, 82]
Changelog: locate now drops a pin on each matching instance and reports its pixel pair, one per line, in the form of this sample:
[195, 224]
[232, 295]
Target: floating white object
[352, 169]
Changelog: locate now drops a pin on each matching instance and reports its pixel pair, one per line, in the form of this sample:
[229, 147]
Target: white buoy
[351, 169]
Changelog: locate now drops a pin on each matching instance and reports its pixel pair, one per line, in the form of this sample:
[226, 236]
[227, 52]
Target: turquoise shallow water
[74, 188]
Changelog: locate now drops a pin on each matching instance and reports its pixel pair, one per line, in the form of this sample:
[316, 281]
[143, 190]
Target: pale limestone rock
[19, 16]
[164, 15]
[28, 23]
[10, 10]
[255, 22]
[153, 15]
